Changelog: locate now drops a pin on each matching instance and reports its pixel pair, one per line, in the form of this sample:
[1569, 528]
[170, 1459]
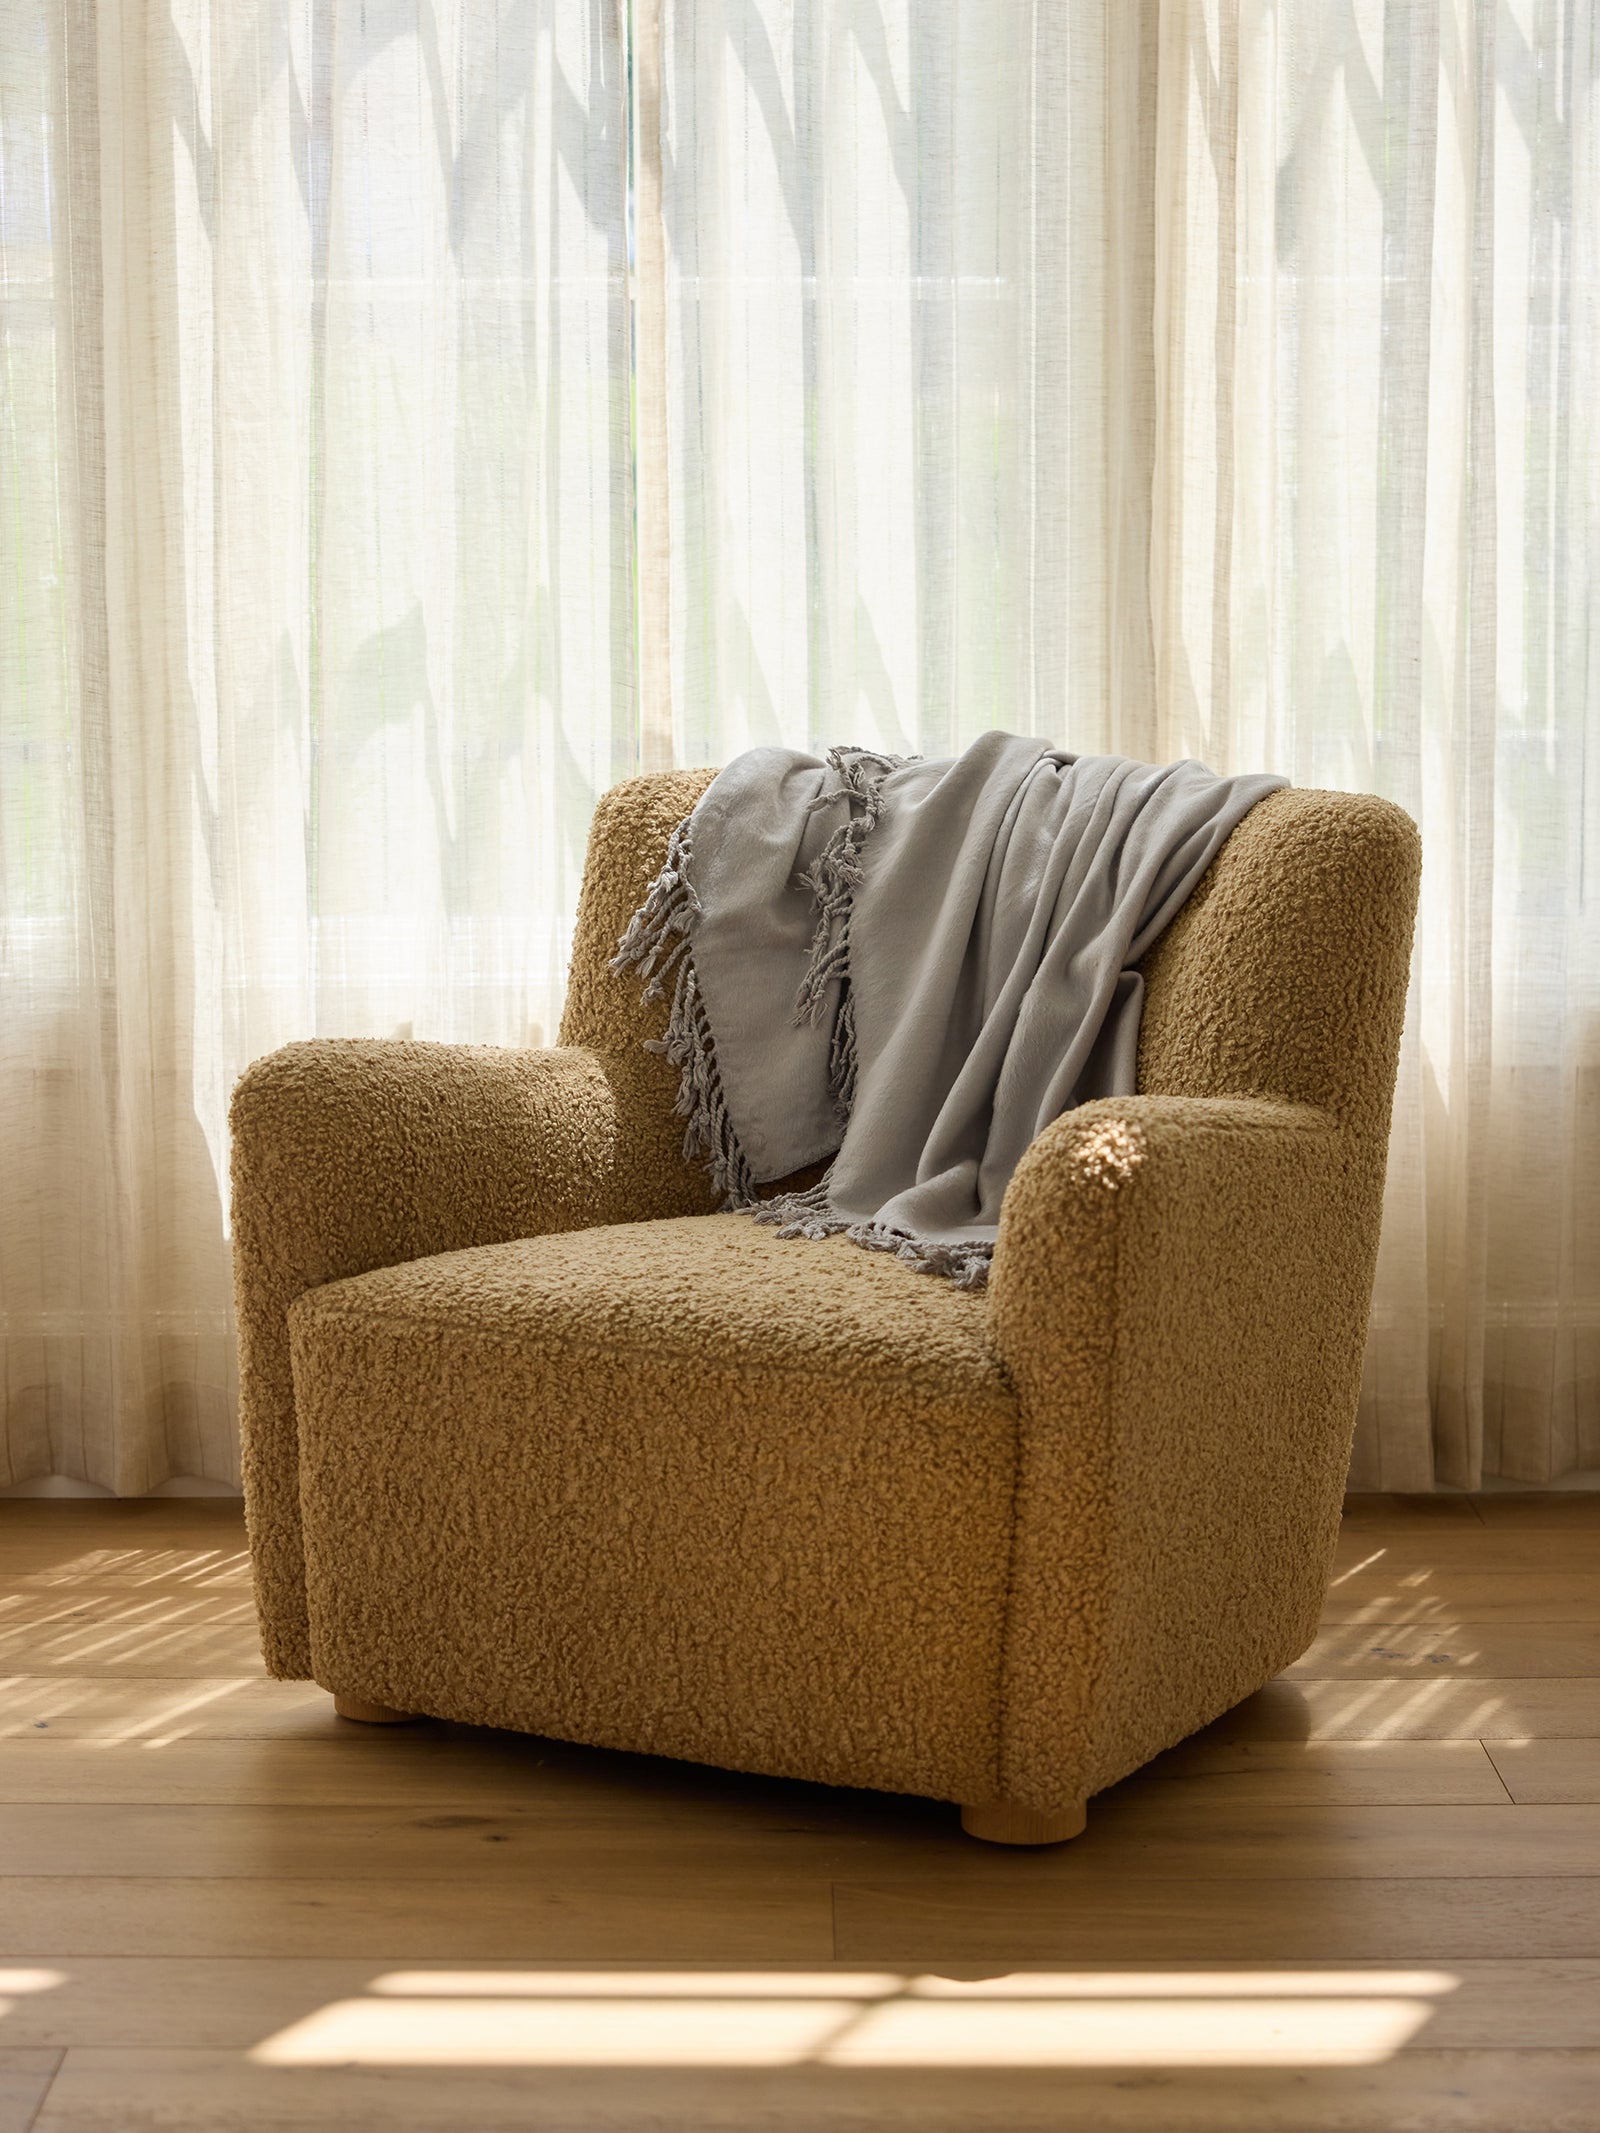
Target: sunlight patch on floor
[136, 1565]
[14, 1983]
[866, 2019]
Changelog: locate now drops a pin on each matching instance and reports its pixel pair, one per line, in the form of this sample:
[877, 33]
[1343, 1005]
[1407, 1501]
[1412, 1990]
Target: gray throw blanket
[908, 969]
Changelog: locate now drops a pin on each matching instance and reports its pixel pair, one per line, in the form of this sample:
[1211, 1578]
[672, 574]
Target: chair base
[370, 1714]
[1008, 1822]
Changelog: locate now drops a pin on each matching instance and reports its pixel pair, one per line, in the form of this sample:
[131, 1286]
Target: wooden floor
[1368, 1899]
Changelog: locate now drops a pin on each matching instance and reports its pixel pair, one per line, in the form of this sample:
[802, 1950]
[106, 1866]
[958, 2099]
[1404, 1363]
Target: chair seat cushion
[678, 1486]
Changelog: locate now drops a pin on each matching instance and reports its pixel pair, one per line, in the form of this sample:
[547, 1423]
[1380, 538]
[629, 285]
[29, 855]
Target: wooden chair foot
[1007, 1822]
[370, 1714]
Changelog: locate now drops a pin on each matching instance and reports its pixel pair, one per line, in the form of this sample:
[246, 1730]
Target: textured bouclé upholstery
[681, 1518]
[534, 1439]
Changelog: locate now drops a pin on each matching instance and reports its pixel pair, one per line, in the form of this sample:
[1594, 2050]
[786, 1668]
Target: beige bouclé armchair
[535, 1439]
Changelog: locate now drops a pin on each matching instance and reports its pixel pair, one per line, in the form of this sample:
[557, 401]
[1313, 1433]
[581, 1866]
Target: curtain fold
[1377, 490]
[1199, 377]
[419, 414]
[317, 620]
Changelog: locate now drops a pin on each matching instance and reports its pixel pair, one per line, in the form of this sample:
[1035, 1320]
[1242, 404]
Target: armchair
[533, 1438]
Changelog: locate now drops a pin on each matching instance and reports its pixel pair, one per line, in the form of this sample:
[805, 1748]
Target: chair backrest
[1284, 975]
[627, 849]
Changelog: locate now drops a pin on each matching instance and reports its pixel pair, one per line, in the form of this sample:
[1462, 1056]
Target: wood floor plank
[1424, 1595]
[529, 1843]
[479, 1768]
[25, 2076]
[84, 1707]
[431, 1766]
[32, 1526]
[1476, 1548]
[661, 1914]
[175, 1567]
[79, 1606]
[154, 1645]
[485, 1770]
[1557, 1510]
[1130, 1832]
[1306, 1773]
[350, 1767]
[1136, 1831]
[113, 2091]
[233, 2003]
[341, 1765]
[1196, 1921]
[180, 2002]
[1356, 1651]
[35, 1520]
[1548, 1771]
[1408, 1708]
[181, 1546]
[1366, 1512]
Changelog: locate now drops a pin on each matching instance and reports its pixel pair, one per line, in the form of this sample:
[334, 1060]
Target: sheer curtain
[1214, 379]
[420, 413]
[1378, 565]
[316, 625]
[911, 380]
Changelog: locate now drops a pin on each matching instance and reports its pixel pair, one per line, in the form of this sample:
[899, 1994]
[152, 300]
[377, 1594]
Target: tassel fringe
[833, 878]
[658, 946]
[809, 1214]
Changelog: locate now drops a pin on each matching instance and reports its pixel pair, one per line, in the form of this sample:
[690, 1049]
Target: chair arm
[1179, 1293]
[350, 1156]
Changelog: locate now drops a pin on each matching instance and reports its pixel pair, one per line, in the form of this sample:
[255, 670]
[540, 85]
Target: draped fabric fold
[417, 417]
[908, 970]
[316, 615]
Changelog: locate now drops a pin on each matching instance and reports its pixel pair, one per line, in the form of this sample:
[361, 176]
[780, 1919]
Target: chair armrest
[1180, 1294]
[350, 1156]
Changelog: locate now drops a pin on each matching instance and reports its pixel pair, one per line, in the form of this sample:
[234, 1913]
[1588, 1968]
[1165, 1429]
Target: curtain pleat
[316, 620]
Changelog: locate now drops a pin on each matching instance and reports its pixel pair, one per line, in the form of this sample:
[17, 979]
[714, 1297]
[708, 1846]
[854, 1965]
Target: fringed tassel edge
[657, 944]
[809, 1214]
[833, 878]
[669, 906]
